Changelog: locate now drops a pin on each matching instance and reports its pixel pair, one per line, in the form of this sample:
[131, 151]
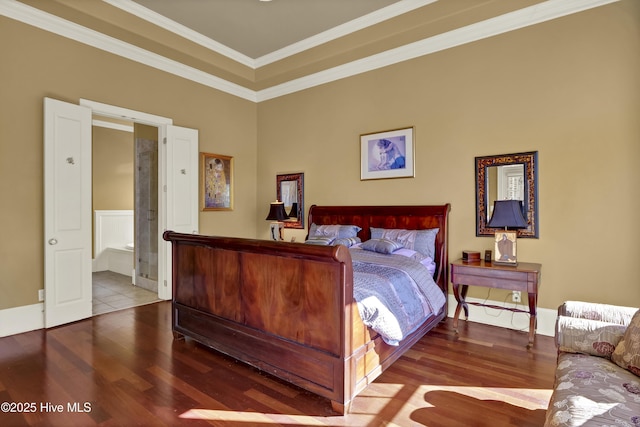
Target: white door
[67, 212]
[180, 192]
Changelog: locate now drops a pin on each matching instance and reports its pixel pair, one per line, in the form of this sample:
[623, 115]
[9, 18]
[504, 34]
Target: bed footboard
[284, 308]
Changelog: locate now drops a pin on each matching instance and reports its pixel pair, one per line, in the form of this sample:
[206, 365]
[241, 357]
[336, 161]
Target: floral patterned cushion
[593, 391]
[588, 336]
[627, 352]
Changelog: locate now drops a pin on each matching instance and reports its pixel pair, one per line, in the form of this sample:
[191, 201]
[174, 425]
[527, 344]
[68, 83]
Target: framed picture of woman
[217, 182]
[387, 154]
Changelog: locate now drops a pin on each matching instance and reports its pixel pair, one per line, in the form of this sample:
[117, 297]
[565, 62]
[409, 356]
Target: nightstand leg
[460, 296]
[533, 304]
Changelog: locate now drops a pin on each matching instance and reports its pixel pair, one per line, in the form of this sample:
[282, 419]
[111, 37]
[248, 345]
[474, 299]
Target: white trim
[380, 15]
[112, 125]
[342, 30]
[54, 24]
[532, 15]
[491, 27]
[179, 29]
[21, 319]
[546, 317]
[29, 317]
[115, 112]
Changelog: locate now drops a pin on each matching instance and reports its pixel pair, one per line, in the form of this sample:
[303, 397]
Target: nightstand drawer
[491, 277]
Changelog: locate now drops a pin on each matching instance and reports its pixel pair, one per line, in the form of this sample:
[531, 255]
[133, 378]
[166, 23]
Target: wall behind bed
[568, 88]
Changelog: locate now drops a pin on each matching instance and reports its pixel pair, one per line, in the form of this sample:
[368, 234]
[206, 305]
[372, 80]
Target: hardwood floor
[124, 368]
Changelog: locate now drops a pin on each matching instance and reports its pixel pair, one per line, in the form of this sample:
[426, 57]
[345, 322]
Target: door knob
[53, 242]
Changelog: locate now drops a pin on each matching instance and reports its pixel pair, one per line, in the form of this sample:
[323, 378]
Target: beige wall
[39, 64]
[112, 169]
[569, 89]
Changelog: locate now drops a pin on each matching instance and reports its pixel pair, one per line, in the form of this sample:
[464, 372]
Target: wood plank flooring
[124, 368]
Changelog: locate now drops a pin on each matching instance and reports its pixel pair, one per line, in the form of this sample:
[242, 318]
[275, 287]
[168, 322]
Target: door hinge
[164, 188]
[165, 283]
[164, 140]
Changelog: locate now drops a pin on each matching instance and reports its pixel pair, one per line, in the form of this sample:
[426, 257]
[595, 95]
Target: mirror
[507, 177]
[290, 190]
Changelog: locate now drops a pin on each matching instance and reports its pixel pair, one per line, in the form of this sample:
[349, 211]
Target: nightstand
[524, 278]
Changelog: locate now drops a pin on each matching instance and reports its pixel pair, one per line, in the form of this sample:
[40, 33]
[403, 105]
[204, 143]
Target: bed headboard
[406, 217]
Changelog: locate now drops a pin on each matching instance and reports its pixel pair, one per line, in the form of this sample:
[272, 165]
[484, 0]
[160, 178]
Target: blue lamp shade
[507, 214]
[277, 212]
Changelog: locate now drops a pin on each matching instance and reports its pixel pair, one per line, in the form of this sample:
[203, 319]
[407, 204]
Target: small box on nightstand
[470, 256]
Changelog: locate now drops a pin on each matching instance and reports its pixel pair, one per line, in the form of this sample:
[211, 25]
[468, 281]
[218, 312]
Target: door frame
[115, 112]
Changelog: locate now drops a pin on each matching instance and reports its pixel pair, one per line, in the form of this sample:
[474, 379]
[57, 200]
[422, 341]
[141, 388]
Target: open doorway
[125, 206]
[67, 201]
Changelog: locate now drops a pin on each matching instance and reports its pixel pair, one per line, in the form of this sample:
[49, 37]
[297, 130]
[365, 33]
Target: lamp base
[276, 230]
[505, 263]
[505, 248]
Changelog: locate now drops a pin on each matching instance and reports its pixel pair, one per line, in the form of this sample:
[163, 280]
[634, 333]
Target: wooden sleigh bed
[288, 308]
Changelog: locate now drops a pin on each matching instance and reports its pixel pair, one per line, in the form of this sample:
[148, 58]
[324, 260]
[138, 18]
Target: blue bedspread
[395, 294]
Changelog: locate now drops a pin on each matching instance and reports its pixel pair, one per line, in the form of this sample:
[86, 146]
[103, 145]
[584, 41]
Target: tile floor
[114, 291]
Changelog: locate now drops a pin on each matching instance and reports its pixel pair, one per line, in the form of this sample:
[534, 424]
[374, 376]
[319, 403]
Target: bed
[288, 308]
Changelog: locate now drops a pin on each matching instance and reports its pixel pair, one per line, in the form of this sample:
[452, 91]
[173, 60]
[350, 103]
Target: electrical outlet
[516, 296]
[40, 295]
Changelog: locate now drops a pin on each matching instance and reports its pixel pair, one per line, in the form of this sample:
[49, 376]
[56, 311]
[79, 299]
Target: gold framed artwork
[217, 182]
[387, 154]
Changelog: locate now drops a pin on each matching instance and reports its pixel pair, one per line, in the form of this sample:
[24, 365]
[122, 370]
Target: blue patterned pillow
[423, 241]
[336, 230]
[320, 240]
[382, 246]
[347, 241]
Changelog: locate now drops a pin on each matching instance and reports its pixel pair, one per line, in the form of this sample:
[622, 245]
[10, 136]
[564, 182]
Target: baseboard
[507, 319]
[30, 317]
[21, 319]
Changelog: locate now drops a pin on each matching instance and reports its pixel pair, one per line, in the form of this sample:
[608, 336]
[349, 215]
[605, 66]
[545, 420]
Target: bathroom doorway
[126, 228]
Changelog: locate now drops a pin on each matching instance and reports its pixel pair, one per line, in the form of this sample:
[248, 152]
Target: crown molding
[148, 15]
[386, 13]
[512, 21]
[54, 24]
[357, 24]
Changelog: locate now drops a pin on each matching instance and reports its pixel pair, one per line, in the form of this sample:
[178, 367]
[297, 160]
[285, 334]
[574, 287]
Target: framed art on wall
[387, 154]
[217, 182]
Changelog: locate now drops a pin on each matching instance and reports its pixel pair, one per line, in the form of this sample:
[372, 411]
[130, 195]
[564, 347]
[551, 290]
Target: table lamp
[507, 214]
[277, 214]
[294, 210]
